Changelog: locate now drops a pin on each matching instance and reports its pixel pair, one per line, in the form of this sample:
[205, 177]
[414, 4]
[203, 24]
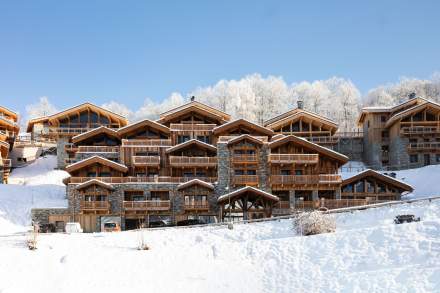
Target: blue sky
[72, 51]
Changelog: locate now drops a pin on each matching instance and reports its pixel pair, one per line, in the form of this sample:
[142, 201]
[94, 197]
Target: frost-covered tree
[42, 108]
[118, 108]
[151, 109]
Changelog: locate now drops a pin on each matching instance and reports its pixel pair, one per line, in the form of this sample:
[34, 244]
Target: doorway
[427, 159]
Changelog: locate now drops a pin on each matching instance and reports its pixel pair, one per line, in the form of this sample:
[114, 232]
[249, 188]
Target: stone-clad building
[401, 137]
[194, 162]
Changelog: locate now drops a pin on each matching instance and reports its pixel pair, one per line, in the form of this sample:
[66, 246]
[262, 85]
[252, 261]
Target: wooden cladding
[185, 161]
[146, 160]
[420, 130]
[146, 142]
[305, 179]
[98, 149]
[94, 205]
[245, 158]
[294, 158]
[245, 180]
[196, 205]
[142, 179]
[424, 146]
[147, 205]
[192, 127]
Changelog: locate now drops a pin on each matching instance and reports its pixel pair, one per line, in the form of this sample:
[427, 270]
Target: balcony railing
[193, 161]
[147, 205]
[192, 127]
[305, 179]
[197, 205]
[282, 205]
[95, 205]
[330, 203]
[146, 160]
[146, 142]
[245, 158]
[6, 163]
[98, 149]
[419, 130]
[349, 134]
[245, 179]
[424, 146]
[294, 158]
[226, 138]
[144, 179]
[323, 139]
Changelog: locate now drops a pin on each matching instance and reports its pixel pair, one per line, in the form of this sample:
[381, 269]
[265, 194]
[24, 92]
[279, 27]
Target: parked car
[112, 227]
[159, 223]
[190, 222]
[400, 219]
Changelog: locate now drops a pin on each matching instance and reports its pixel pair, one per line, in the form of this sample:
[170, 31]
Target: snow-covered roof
[245, 136]
[94, 182]
[371, 172]
[242, 121]
[100, 129]
[189, 142]
[409, 110]
[237, 192]
[96, 159]
[142, 122]
[195, 182]
[297, 112]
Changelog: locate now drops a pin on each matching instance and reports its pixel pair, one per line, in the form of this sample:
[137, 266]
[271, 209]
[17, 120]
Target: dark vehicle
[157, 224]
[400, 219]
[190, 222]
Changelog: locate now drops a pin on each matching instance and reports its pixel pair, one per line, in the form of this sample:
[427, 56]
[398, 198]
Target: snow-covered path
[367, 253]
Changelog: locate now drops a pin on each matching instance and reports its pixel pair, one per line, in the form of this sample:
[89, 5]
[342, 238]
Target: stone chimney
[300, 104]
[193, 98]
[411, 96]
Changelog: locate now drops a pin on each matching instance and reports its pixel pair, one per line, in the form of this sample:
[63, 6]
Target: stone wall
[352, 147]
[61, 152]
[41, 215]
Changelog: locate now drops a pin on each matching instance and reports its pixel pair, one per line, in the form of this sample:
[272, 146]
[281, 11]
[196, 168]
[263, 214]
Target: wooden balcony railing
[192, 127]
[192, 161]
[197, 205]
[419, 123]
[245, 179]
[419, 130]
[244, 158]
[323, 139]
[6, 163]
[146, 160]
[282, 205]
[146, 142]
[144, 179]
[294, 158]
[423, 146]
[226, 138]
[148, 205]
[77, 128]
[98, 149]
[305, 179]
[94, 205]
[330, 203]
[349, 134]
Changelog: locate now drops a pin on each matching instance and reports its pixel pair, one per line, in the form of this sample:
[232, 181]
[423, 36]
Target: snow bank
[366, 253]
[36, 185]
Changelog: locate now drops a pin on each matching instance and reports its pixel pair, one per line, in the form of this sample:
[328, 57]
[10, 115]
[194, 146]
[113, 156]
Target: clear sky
[72, 51]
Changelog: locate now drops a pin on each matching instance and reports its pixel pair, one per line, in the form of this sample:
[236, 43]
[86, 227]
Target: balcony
[144, 179]
[329, 204]
[282, 205]
[245, 180]
[146, 143]
[420, 130]
[293, 158]
[95, 205]
[146, 160]
[226, 138]
[192, 127]
[305, 179]
[147, 205]
[424, 146]
[76, 128]
[245, 158]
[178, 161]
[323, 139]
[98, 149]
[197, 205]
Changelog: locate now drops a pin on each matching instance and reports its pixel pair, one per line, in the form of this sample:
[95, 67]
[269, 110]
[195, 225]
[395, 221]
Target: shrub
[32, 239]
[312, 223]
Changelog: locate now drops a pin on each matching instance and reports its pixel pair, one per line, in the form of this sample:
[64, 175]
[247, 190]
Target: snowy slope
[368, 253]
[37, 185]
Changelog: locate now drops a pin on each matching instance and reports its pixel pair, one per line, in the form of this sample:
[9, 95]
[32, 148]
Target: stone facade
[61, 152]
[352, 147]
[41, 216]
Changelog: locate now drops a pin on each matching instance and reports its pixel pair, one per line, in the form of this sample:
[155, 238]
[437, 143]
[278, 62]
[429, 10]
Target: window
[347, 188]
[359, 186]
[203, 138]
[298, 172]
[182, 138]
[437, 158]
[370, 186]
[385, 134]
[368, 124]
[413, 158]
[285, 172]
[91, 174]
[238, 172]
[251, 172]
[105, 174]
[381, 188]
[383, 118]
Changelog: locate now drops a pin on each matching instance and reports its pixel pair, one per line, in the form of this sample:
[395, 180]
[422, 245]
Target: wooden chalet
[303, 123]
[404, 136]
[8, 132]
[373, 187]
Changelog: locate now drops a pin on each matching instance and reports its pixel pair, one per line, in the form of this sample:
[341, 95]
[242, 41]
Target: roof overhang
[245, 137]
[195, 182]
[93, 132]
[240, 192]
[372, 173]
[191, 142]
[96, 159]
[142, 123]
[94, 182]
[296, 114]
[242, 122]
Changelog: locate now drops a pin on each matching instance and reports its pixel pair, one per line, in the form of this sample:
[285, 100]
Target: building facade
[8, 132]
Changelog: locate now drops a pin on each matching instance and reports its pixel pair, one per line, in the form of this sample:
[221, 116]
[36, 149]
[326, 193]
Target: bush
[312, 223]
[32, 239]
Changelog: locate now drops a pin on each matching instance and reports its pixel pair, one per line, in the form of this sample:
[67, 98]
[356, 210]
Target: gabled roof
[410, 111]
[96, 159]
[93, 132]
[310, 145]
[77, 108]
[245, 136]
[237, 193]
[191, 142]
[142, 123]
[8, 111]
[195, 182]
[197, 107]
[296, 114]
[242, 122]
[381, 177]
[94, 182]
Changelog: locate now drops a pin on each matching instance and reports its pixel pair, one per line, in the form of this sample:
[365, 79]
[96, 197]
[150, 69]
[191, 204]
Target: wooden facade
[9, 129]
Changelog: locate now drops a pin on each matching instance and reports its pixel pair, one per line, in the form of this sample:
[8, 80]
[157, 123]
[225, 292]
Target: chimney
[193, 98]
[412, 95]
[300, 104]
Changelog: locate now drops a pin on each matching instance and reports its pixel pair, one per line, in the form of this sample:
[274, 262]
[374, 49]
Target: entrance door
[427, 159]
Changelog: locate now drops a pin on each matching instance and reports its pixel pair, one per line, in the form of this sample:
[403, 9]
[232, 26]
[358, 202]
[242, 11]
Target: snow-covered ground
[366, 253]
